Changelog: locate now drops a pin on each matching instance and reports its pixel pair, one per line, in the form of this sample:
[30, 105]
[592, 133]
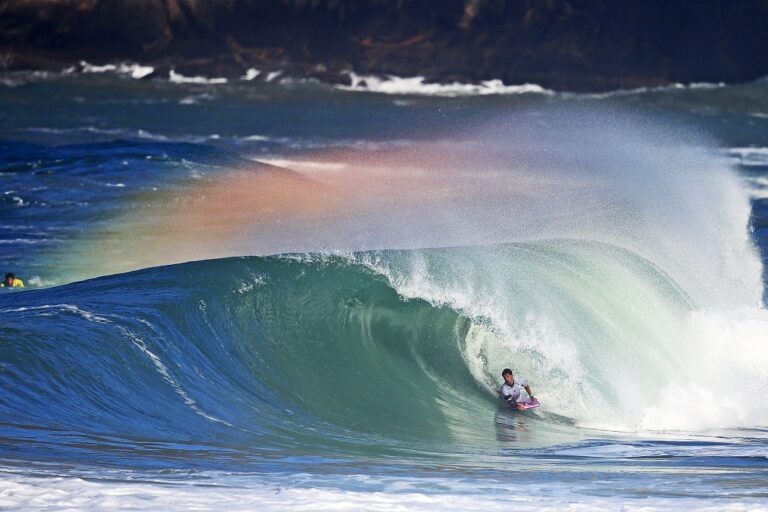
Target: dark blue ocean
[270, 295]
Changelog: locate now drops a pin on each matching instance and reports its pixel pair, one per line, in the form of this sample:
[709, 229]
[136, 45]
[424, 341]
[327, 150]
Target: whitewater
[239, 296]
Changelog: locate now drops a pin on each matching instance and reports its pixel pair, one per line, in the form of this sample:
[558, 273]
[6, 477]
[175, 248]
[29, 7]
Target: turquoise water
[176, 349]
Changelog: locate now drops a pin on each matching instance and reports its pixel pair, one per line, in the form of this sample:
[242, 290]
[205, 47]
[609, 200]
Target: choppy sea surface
[277, 294]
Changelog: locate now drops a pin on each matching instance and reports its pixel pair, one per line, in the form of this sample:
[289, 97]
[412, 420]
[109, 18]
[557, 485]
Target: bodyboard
[529, 404]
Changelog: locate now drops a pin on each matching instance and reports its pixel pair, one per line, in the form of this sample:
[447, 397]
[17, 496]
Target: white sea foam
[81, 129]
[125, 69]
[256, 138]
[107, 491]
[256, 281]
[22, 241]
[119, 132]
[39, 282]
[195, 99]
[660, 449]
[305, 165]
[644, 90]
[135, 71]
[177, 78]
[251, 74]
[53, 309]
[417, 86]
[750, 156]
[705, 85]
[757, 186]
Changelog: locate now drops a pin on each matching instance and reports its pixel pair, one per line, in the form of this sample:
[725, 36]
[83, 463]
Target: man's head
[9, 279]
[508, 377]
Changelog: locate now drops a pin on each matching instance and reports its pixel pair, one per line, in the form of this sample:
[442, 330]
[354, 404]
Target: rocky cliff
[562, 44]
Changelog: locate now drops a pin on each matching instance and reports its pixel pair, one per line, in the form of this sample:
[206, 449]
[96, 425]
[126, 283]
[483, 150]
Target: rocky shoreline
[586, 45]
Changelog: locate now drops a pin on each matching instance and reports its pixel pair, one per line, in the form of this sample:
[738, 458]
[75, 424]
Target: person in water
[11, 281]
[510, 390]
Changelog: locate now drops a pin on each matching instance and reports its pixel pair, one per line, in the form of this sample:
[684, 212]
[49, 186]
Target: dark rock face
[562, 44]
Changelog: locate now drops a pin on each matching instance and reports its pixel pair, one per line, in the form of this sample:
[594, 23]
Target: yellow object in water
[17, 283]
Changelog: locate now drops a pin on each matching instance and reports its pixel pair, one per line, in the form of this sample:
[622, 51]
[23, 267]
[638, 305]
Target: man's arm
[528, 390]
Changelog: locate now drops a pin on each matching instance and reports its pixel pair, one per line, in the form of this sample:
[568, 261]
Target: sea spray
[615, 178]
[619, 235]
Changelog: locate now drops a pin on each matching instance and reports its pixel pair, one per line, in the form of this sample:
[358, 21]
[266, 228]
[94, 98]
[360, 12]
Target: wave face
[275, 351]
[376, 351]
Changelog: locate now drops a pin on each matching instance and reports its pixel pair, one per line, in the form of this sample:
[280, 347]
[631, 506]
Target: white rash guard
[512, 393]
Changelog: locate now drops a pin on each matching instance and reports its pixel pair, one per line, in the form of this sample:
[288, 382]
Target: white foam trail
[177, 78]
[251, 74]
[53, 309]
[645, 90]
[416, 86]
[119, 132]
[163, 370]
[135, 71]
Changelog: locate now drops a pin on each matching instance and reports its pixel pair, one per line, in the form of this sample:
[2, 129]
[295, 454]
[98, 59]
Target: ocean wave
[380, 84]
[442, 321]
[216, 491]
[131, 70]
[272, 76]
[695, 448]
[251, 74]
[417, 86]
[193, 138]
[617, 93]
[757, 186]
[750, 156]
[127, 134]
[178, 78]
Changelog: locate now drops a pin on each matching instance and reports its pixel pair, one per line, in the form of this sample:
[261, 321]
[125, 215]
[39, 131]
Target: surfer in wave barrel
[510, 390]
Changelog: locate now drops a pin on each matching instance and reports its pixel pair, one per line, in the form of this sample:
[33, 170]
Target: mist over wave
[610, 177]
[629, 280]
